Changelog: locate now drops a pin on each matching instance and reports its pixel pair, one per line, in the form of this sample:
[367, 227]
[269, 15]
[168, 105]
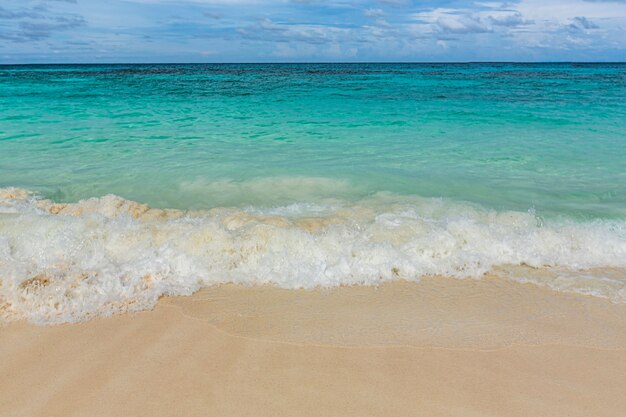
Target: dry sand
[442, 347]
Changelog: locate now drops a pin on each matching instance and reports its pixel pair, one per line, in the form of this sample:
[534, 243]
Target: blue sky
[311, 30]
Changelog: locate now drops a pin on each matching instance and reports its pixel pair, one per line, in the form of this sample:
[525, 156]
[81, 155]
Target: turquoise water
[123, 183]
[508, 136]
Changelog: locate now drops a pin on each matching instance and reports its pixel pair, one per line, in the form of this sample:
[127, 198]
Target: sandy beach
[441, 347]
[381, 208]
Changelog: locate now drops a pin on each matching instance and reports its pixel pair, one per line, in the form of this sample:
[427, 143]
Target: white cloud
[322, 29]
[373, 12]
[507, 18]
[562, 10]
[461, 24]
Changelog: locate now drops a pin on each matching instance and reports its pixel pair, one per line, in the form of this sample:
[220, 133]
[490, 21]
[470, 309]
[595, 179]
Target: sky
[76, 31]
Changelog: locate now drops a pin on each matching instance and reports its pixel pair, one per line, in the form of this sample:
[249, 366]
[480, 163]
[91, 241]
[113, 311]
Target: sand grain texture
[441, 347]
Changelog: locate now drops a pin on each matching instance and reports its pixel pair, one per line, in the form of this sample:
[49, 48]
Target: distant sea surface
[123, 183]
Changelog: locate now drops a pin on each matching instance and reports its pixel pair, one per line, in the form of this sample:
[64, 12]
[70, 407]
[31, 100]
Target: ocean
[120, 184]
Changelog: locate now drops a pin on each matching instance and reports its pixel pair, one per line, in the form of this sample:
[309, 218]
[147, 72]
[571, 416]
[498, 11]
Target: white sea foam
[71, 262]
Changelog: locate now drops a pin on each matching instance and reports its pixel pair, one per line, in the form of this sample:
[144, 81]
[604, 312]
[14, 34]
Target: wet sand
[441, 347]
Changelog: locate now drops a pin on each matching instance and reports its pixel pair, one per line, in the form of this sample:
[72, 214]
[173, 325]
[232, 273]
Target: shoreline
[106, 255]
[441, 347]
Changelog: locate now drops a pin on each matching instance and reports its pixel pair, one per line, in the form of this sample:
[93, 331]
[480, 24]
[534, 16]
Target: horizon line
[308, 62]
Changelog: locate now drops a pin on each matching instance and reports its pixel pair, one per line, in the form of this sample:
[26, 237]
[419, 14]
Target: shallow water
[303, 176]
[549, 137]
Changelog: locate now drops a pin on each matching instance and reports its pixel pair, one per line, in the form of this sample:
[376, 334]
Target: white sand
[442, 347]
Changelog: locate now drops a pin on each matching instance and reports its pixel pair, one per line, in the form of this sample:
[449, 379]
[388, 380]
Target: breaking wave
[101, 256]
